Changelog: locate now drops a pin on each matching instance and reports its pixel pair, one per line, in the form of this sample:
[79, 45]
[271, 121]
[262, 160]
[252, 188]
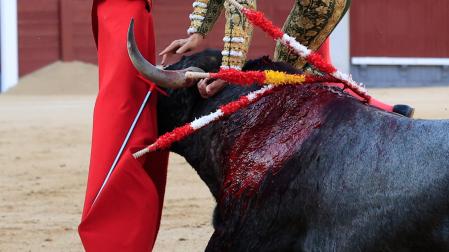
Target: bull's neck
[203, 150]
[175, 109]
[259, 139]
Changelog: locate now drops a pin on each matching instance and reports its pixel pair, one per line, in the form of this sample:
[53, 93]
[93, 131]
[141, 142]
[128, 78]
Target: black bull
[309, 168]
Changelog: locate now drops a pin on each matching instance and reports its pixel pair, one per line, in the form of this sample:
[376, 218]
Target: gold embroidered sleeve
[238, 35]
[205, 14]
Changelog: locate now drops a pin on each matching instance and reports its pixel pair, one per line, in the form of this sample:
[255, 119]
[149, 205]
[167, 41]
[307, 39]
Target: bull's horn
[163, 78]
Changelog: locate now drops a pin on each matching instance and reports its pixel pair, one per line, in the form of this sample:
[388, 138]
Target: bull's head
[163, 78]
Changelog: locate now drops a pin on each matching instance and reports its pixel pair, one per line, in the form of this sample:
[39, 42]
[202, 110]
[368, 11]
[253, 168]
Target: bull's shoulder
[262, 138]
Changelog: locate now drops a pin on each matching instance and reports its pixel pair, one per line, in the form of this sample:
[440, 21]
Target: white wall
[9, 44]
[340, 46]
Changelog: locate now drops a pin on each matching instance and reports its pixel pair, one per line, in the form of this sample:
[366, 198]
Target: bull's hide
[309, 168]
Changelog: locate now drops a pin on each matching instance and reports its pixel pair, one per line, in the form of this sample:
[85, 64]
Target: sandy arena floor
[44, 152]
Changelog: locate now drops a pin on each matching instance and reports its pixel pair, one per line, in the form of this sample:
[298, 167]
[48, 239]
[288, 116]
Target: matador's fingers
[215, 87]
[202, 86]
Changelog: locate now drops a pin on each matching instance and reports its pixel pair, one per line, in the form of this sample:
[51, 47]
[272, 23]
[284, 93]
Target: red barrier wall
[51, 30]
[400, 28]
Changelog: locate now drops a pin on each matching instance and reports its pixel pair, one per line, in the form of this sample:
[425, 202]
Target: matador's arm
[205, 14]
[238, 30]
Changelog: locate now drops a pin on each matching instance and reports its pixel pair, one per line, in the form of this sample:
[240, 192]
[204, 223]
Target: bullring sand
[45, 126]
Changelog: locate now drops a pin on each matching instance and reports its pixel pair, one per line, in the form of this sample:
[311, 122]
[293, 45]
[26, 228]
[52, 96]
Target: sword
[125, 142]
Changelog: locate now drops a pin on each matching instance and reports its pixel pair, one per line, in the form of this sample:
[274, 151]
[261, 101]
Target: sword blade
[125, 142]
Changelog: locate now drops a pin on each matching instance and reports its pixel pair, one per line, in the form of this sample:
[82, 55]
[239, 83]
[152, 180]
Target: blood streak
[276, 128]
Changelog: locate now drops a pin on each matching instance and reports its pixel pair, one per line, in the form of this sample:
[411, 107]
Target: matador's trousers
[126, 215]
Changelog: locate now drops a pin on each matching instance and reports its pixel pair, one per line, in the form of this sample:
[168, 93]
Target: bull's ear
[207, 63]
[211, 63]
[213, 59]
[208, 60]
[215, 63]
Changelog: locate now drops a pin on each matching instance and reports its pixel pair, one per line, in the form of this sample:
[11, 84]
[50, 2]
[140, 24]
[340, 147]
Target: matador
[310, 22]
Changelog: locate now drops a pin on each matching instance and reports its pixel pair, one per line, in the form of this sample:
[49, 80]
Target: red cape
[126, 215]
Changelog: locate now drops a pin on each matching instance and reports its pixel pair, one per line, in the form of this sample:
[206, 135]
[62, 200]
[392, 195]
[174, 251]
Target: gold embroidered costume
[310, 22]
[238, 29]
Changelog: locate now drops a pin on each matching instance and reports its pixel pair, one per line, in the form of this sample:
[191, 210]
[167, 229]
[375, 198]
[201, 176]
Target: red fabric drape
[325, 52]
[126, 215]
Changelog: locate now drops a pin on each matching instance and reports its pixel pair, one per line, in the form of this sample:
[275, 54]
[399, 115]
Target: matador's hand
[210, 87]
[181, 46]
